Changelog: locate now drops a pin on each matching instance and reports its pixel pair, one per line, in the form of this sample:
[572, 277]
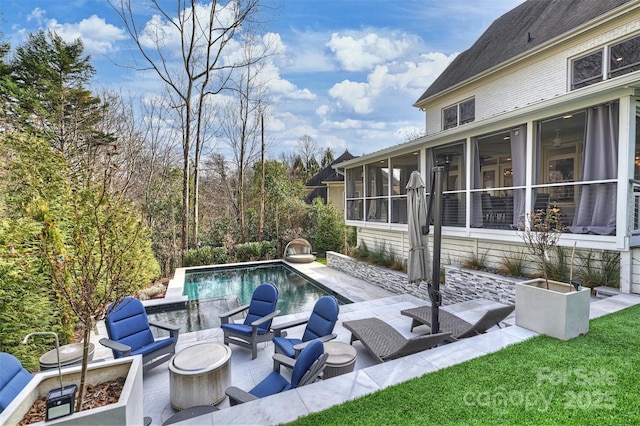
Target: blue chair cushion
[305, 360]
[13, 378]
[270, 385]
[154, 346]
[263, 302]
[241, 328]
[322, 320]
[127, 323]
[285, 345]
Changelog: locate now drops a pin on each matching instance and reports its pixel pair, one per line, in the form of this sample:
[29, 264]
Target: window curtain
[596, 208]
[431, 163]
[518, 165]
[476, 196]
[351, 193]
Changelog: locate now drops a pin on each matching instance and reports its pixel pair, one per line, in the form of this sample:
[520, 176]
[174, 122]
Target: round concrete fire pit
[199, 375]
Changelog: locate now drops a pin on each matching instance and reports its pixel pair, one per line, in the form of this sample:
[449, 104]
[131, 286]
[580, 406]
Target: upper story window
[624, 57]
[454, 115]
[586, 70]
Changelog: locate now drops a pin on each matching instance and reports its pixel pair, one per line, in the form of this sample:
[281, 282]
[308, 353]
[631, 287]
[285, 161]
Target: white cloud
[37, 15]
[97, 36]
[323, 110]
[354, 95]
[389, 80]
[366, 51]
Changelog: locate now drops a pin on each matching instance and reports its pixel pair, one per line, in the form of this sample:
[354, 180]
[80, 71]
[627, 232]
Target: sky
[347, 76]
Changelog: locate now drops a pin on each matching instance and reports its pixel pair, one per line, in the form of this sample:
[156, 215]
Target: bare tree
[308, 150]
[241, 124]
[203, 34]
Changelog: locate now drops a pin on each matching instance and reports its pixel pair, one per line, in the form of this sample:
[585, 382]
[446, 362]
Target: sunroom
[583, 160]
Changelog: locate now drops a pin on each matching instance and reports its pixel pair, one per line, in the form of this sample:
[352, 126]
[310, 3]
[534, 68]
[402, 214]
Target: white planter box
[560, 311]
[127, 411]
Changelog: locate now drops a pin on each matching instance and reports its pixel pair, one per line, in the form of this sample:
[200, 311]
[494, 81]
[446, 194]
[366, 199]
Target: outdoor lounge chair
[13, 378]
[307, 368]
[458, 327]
[129, 333]
[256, 327]
[319, 326]
[385, 342]
[299, 251]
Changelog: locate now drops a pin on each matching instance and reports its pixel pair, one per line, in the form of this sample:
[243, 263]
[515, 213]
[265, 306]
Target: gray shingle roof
[328, 174]
[531, 24]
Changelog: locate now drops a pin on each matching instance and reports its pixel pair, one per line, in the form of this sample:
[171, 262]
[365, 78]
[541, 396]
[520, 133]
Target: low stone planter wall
[461, 285]
[468, 284]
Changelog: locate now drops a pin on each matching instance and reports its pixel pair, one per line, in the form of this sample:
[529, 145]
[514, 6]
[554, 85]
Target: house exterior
[328, 184]
[543, 109]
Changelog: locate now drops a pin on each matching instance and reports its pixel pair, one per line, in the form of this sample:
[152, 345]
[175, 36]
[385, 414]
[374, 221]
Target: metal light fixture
[60, 401]
[557, 141]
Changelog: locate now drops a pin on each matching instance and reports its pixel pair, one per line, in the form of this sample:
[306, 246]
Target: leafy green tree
[70, 251]
[284, 204]
[328, 232]
[31, 177]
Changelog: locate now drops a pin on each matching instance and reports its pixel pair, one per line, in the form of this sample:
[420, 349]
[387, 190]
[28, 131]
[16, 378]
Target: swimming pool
[215, 290]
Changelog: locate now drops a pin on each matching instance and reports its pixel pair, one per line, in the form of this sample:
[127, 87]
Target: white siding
[541, 77]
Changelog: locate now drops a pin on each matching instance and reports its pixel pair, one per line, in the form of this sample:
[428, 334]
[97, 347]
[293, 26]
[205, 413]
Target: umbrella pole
[434, 292]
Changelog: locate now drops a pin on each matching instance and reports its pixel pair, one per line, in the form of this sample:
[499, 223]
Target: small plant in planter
[541, 234]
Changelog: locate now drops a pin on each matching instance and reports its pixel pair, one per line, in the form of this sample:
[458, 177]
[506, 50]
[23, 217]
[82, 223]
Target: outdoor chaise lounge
[458, 327]
[299, 251]
[385, 342]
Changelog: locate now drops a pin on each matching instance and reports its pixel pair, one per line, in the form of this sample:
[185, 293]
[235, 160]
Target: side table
[69, 355]
[199, 375]
[341, 359]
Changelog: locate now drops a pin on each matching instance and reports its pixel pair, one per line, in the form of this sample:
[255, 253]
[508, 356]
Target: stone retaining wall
[460, 285]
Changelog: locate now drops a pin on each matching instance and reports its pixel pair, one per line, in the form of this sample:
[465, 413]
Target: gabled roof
[328, 174]
[531, 24]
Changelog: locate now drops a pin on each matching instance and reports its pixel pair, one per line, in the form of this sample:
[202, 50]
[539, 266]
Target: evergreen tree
[51, 76]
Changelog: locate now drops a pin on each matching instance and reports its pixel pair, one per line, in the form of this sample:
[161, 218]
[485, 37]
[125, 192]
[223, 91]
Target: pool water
[217, 290]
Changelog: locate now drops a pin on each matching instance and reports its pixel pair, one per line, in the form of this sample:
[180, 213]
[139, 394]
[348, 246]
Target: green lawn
[590, 380]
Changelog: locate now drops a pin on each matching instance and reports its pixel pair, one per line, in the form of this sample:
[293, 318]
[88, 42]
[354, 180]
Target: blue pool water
[216, 290]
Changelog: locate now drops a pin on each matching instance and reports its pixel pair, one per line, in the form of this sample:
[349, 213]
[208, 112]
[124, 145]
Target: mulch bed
[94, 396]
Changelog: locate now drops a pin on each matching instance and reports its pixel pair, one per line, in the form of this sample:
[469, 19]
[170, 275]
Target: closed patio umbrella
[419, 259]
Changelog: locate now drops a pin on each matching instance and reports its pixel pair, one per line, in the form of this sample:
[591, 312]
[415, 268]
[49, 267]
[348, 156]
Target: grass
[589, 380]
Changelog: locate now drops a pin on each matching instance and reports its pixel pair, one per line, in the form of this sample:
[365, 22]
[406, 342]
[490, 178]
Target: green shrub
[219, 255]
[198, 257]
[329, 230]
[512, 264]
[248, 252]
[600, 270]
[380, 256]
[476, 261]
[557, 267]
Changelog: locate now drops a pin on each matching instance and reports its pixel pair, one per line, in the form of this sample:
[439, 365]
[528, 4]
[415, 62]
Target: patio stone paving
[369, 375]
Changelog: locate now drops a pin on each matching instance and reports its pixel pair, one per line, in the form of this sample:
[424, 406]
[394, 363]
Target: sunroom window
[624, 57]
[578, 165]
[384, 198]
[586, 70]
[499, 166]
[355, 193]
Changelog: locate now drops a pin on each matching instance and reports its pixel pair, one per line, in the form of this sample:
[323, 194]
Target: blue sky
[350, 72]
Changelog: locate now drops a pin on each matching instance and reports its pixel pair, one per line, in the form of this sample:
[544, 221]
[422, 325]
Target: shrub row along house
[543, 109]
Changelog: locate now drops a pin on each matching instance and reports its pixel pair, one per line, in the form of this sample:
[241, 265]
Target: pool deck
[369, 375]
